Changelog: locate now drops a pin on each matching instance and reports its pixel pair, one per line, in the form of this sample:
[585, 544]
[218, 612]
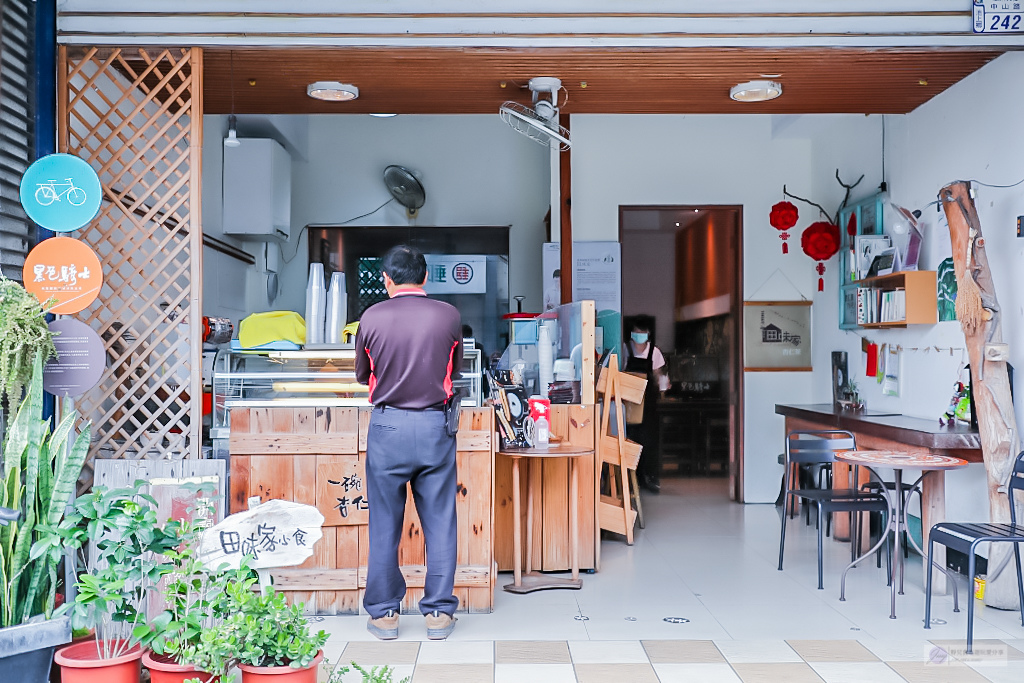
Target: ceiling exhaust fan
[539, 122]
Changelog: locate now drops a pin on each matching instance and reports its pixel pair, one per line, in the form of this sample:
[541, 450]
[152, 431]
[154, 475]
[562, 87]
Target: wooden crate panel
[333, 579]
[550, 534]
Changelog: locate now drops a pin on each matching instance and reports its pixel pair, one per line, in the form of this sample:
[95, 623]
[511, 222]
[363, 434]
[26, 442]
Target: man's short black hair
[405, 265]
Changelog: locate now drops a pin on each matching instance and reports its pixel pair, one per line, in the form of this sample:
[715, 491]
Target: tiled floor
[713, 563]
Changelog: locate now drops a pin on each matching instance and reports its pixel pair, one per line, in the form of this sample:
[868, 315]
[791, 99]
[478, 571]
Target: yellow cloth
[263, 328]
[349, 332]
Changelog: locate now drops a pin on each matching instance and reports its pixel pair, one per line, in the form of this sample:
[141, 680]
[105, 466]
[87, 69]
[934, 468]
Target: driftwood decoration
[834, 220]
[980, 317]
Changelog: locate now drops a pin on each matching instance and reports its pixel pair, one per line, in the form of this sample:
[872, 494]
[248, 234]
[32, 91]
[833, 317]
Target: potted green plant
[24, 335]
[122, 567]
[39, 476]
[191, 595]
[260, 634]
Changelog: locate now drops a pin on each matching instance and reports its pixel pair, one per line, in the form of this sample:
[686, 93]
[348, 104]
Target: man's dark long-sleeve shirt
[408, 350]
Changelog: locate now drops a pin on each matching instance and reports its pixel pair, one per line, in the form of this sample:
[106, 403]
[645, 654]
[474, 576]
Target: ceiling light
[332, 91]
[383, 116]
[232, 139]
[756, 91]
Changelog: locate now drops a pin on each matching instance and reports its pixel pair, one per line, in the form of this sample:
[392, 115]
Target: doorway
[683, 267]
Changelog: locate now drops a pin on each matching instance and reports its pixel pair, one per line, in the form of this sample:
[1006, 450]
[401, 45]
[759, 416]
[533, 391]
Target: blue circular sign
[61, 192]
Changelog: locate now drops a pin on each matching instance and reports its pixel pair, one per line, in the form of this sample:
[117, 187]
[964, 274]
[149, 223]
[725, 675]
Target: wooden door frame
[736, 393]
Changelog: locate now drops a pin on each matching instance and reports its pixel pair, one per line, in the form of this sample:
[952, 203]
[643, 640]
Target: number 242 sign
[998, 16]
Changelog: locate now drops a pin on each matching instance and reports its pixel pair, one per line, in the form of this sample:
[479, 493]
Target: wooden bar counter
[317, 455]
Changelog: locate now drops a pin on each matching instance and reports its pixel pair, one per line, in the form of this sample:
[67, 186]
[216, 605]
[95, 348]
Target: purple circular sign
[80, 359]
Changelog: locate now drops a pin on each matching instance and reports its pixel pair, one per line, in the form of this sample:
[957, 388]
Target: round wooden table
[897, 461]
[535, 581]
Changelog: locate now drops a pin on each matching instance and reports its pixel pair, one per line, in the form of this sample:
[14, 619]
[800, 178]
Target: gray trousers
[410, 446]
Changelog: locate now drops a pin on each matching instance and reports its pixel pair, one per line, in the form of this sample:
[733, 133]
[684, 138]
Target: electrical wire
[997, 186]
[298, 240]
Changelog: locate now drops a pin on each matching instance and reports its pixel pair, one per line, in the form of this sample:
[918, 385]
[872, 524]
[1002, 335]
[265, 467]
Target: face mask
[640, 337]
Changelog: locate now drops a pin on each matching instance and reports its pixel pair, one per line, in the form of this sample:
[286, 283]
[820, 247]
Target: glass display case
[861, 218]
[552, 355]
[255, 379]
[472, 375]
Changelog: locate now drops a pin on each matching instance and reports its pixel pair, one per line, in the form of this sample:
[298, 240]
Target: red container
[163, 669]
[539, 406]
[80, 663]
[281, 674]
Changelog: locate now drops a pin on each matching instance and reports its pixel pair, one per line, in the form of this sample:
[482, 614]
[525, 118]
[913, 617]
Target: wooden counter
[317, 456]
[879, 430]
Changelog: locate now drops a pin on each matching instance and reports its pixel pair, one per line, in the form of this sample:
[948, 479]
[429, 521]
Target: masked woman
[642, 357]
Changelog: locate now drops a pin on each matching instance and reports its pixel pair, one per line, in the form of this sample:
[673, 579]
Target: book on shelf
[881, 305]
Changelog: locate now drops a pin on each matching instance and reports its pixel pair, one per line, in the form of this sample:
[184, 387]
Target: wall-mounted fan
[405, 188]
[539, 122]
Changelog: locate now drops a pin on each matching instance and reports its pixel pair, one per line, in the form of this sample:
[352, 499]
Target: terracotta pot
[79, 663]
[281, 674]
[163, 669]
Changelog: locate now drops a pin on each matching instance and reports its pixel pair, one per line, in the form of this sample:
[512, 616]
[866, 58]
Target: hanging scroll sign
[278, 533]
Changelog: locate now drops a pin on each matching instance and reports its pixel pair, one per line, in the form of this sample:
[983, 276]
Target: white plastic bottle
[543, 432]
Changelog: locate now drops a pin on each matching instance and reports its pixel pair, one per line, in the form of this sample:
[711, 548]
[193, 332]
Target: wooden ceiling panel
[685, 80]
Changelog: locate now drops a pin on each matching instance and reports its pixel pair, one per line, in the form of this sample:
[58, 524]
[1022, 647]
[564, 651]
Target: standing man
[408, 349]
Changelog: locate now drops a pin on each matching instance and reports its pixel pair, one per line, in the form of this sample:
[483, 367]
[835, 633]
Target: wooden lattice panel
[136, 116]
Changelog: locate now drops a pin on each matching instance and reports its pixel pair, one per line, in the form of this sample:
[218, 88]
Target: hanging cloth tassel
[969, 308]
[785, 248]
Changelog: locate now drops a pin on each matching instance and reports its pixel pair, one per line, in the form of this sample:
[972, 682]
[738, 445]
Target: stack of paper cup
[316, 301]
[545, 360]
[337, 309]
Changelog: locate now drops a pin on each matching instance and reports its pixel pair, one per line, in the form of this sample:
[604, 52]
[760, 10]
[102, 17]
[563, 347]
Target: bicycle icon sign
[47, 194]
[61, 192]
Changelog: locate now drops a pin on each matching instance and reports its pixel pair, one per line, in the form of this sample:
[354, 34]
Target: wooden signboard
[279, 533]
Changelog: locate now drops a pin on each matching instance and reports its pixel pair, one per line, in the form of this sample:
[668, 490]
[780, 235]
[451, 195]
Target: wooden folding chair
[615, 511]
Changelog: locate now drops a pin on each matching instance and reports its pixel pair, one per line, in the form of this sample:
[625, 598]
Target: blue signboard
[61, 192]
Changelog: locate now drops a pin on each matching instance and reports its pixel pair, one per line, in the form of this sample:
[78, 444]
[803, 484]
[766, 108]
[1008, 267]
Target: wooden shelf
[920, 293]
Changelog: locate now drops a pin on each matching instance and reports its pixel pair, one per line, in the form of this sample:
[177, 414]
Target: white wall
[474, 169]
[705, 160]
[957, 135]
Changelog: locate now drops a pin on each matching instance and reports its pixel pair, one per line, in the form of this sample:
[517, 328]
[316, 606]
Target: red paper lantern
[820, 241]
[783, 217]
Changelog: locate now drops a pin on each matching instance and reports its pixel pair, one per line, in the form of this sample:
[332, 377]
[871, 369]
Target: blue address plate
[999, 16]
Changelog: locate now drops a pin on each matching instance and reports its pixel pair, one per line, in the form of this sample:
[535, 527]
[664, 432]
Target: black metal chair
[965, 538]
[819, 447]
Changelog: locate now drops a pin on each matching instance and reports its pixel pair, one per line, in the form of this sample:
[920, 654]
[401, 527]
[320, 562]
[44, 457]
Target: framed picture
[883, 263]
[867, 247]
[777, 336]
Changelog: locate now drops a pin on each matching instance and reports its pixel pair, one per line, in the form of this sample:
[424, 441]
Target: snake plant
[39, 476]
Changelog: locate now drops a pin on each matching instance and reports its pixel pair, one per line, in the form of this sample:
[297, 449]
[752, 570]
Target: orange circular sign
[66, 270]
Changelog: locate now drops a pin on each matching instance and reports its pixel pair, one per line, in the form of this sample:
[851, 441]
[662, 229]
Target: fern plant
[23, 335]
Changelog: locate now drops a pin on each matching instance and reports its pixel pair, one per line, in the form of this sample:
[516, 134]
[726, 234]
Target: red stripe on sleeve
[373, 378]
[448, 392]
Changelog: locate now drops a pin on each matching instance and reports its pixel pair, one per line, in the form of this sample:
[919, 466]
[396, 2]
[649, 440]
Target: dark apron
[646, 433]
